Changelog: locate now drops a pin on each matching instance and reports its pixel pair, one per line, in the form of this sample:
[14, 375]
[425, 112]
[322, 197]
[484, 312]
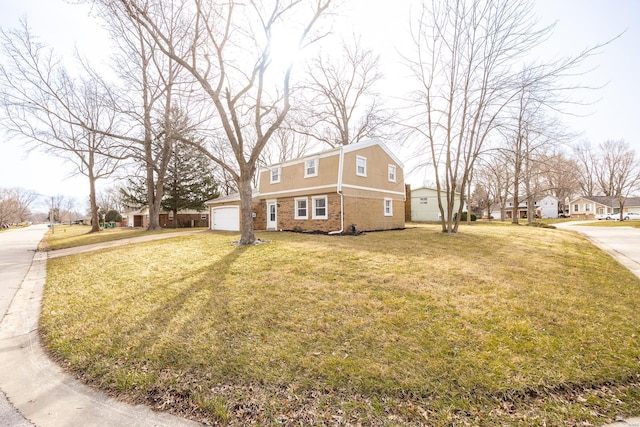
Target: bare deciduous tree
[286, 144]
[495, 175]
[15, 205]
[343, 106]
[462, 62]
[561, 178]
[226, 48]
[145, 102]
[468, 64]
[54, 112]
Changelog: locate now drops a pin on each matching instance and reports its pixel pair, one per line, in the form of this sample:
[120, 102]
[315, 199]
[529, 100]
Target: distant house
[355, 187]
[544, 207]
[424, 204]
[184, 219]
[587, 207]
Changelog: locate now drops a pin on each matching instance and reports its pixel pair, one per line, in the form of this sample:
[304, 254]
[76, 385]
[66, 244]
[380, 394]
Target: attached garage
[225, 218]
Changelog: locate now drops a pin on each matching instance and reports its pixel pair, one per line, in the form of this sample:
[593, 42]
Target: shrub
[463, 217]
[113, 216]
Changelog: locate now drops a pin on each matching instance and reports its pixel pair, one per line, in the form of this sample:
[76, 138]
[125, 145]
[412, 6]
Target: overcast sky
[580, 24]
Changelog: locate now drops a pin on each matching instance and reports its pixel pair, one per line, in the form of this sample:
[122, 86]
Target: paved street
[16, 253]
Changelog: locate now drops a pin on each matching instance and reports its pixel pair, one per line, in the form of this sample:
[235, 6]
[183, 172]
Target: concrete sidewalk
[39, 388]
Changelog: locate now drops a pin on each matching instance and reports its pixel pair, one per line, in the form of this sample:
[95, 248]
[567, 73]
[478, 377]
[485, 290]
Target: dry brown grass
[496, 325]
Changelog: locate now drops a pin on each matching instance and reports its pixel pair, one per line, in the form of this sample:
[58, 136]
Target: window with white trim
[203, 216]
[301, 208]
[275, 175]
[361, 166]
[388, 207]
[311, 168]
[392, 173]
[576, 208]
[587, 207]
[320, 207]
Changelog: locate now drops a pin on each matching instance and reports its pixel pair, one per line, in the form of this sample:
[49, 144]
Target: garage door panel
[225, 218]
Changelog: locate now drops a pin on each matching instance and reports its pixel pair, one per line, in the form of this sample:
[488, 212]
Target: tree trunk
[246, 209]
[95, 220]
[154, 200]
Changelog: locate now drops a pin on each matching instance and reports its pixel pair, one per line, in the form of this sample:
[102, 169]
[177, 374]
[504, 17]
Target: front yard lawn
[67, 236]
[496, 325]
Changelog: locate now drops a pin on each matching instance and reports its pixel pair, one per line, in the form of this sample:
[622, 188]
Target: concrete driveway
[623, 243]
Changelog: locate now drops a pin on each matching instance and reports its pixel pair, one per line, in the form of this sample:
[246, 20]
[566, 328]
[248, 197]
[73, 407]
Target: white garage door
[225, 218]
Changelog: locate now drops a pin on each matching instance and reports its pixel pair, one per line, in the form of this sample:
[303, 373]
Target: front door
[272, 215]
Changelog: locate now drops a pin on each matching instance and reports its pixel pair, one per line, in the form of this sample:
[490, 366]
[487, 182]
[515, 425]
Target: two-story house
[357, 187]
[544, 207]
[424, 204]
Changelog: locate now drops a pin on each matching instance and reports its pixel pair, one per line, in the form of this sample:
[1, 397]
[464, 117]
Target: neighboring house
[424, 204]
[357, 187]
[546, 207]
[184, 219]
[587, 207]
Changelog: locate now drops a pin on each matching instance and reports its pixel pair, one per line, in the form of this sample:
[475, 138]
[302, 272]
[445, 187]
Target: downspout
[339, 191]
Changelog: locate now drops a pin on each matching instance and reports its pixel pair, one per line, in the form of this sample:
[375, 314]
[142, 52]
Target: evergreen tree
[189, 182]
[189, 177]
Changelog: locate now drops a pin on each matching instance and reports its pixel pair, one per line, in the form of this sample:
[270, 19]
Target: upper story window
[392, 173]
[275, 175]
[361, 166]
[311, 168]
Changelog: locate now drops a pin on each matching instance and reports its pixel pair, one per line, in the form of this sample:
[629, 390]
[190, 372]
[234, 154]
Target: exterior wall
[548, 207]
[377, 170]
[367, 213]
[286, 215]
[260, 218]
[292, 179]
[364, 196]
[424, 204]
[184, 220]
[584, 209]
[407, 203]
[363, 209]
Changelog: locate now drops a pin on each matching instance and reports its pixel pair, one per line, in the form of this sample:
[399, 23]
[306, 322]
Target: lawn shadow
[171, 313]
